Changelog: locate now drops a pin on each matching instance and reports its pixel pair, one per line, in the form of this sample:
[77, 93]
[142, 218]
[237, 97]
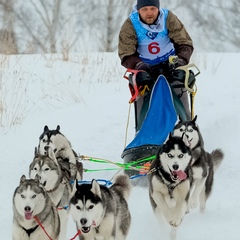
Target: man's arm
[179, 36]
[127, 45]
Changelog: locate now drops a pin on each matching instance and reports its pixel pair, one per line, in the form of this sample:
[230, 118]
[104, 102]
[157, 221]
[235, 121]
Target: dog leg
[63, 214]
[203, 199]
[178, 213]
[193, 201]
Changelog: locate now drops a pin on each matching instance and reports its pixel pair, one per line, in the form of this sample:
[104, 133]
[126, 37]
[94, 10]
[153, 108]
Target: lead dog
[101, 212]
[31, 205]
[170, 179]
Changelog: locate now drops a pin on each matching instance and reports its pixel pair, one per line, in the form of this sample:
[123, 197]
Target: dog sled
[156, 108]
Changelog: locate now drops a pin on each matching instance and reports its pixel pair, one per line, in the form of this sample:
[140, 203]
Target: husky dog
[203, 165]
[101, 212]
[32, 207]
[56, 184]
[170, 179]
[63, 151]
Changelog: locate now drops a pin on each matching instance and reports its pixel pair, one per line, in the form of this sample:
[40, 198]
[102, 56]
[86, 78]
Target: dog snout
[83, 221]
[175, 166]
[27, 209]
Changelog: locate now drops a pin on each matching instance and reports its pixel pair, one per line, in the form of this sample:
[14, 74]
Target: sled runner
[156, 108]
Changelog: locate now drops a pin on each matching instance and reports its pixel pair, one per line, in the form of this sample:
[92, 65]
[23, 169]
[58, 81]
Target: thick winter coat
[127, 47]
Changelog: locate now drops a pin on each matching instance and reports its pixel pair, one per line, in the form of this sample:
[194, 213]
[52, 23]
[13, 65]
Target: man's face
[148, 14]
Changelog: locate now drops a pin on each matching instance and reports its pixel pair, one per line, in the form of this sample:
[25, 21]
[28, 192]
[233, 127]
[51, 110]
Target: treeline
[67, 26]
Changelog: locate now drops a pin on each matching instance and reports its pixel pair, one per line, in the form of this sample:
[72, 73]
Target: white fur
[55, 187]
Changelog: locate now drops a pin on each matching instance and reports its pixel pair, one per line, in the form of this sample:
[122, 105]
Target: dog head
[53, 139]
[190, 130]
[86, 206]
[175, 157]
[29, 198]
[47, 168]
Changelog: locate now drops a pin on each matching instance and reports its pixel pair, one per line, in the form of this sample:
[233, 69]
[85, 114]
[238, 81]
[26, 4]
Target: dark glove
[180, 62]
[143, 66]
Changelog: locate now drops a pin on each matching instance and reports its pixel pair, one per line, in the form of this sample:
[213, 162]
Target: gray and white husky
[204, 164]
[101, 212]
[63, 151]
[56, 184]
[170, 180]
[33, 207]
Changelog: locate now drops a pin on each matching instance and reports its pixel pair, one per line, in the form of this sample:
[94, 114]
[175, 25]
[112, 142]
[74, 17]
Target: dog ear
[22, 179]
[96, 188]
[58, 128]
[195, 119]
[45, 128]
[170, 136]
[35, 151]
[37, 178]
[180, 119]
[74, 184]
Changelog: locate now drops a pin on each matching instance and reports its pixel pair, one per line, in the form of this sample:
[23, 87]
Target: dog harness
[30, 231]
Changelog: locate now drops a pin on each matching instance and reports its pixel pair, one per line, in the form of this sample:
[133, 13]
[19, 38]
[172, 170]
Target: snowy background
[88, 97]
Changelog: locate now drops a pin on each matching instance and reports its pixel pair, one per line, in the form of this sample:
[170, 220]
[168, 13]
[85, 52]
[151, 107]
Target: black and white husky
[170, 180]
[63, 151]
[204, 164]
[32, 207]
[101, 212]
[56, 184]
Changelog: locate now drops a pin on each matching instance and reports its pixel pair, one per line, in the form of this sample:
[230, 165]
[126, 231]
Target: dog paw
[175, 222]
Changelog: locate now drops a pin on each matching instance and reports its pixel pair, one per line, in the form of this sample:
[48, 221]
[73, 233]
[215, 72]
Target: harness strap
[42, 227]
[77, 234]
[30, 231]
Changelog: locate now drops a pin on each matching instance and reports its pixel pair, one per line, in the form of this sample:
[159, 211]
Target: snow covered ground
[88, 98]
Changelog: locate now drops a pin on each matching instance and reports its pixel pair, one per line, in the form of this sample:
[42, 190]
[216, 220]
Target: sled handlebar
[186, 70]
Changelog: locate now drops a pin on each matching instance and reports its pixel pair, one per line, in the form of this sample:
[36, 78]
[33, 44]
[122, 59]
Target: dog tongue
[182, 175]
[28, 215]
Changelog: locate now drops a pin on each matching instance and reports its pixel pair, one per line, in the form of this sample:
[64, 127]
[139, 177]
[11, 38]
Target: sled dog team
[180, 178]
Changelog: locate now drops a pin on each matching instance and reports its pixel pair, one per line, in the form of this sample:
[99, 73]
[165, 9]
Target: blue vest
[154, 45]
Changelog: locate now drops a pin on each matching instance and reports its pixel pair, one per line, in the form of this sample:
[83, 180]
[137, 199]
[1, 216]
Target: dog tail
[122, 184]
[217, 157]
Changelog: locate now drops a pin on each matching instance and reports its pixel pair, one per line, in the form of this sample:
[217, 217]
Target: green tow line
[125, 166]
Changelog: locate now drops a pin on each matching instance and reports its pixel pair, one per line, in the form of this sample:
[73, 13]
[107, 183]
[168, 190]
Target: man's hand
[143, 66]
[180, 62]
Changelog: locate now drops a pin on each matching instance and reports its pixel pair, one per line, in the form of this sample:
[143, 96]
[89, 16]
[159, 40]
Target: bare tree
[37, 22]
[218, 23]
[7, 36]
[64, 26]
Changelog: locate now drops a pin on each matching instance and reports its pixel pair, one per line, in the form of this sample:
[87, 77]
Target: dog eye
[22, 196]
[47, 169]
[91, 207]
[170, 155]
[34, 196]
[44, 140]
[77, 207]
[35, 168]
[180, 156]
